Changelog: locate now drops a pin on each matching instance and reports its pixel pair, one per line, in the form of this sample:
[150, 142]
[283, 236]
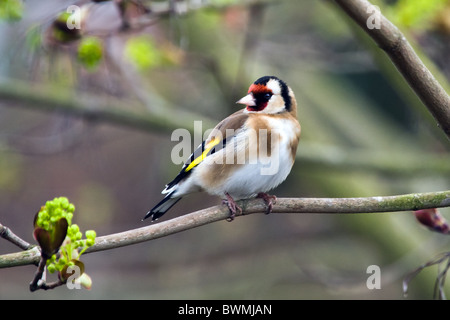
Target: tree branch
[393, 42]
[47, 99]
[408, 202]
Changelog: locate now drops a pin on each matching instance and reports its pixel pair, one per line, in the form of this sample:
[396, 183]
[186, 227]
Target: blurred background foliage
[364, 133]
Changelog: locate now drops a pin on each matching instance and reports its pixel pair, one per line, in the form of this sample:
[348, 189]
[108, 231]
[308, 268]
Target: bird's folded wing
[204, 150]
[218, 139]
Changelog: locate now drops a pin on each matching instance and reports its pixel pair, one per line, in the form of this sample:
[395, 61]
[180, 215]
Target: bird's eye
[267, 96]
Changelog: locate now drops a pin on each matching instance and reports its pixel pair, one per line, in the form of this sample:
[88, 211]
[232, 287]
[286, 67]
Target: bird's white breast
[262, 172]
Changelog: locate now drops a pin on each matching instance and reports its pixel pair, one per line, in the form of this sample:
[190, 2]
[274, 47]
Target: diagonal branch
[7, 234]
[393, 42]
[407, 202]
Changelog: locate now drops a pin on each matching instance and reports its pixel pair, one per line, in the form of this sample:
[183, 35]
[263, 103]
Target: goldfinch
[247, 154]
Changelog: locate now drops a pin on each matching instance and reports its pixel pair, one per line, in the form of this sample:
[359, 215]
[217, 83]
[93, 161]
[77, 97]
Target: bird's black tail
[162, 207]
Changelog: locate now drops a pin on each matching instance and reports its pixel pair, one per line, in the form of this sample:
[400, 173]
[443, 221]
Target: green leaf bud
[74, 229]
[71, 208]
[51, 268]
[62, 261]
[91, 234]
[90, 52]
[64, 202]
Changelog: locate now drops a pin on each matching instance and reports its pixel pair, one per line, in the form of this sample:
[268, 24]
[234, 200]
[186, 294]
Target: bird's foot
[232, 205]
[270, 200]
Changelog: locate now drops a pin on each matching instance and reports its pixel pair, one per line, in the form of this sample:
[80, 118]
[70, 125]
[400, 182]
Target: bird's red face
[257, 98]
[267, 95]
[261, 94]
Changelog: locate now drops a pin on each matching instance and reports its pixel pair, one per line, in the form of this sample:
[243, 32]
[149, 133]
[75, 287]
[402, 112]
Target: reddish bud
[432, 219]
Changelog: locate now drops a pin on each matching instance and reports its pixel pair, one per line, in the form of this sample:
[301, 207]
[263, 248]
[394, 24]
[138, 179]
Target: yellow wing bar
[200, 158]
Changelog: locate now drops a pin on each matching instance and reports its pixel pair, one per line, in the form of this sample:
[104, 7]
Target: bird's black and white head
[269, 95]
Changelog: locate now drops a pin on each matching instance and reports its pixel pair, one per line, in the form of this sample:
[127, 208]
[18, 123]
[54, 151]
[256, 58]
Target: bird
[247, 154]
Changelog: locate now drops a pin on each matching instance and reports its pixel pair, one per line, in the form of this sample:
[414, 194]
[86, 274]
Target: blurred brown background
[364, 133]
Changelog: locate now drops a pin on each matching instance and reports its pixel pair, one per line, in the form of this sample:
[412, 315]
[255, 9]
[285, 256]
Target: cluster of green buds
[61, 241]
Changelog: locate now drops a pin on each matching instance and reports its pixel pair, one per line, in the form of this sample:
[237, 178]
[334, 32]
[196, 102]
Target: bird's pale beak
[248, 100]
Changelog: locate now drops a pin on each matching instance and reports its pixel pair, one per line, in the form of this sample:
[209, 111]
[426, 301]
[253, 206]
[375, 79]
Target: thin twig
[35, 283]
[440, 278]
[39, 281]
